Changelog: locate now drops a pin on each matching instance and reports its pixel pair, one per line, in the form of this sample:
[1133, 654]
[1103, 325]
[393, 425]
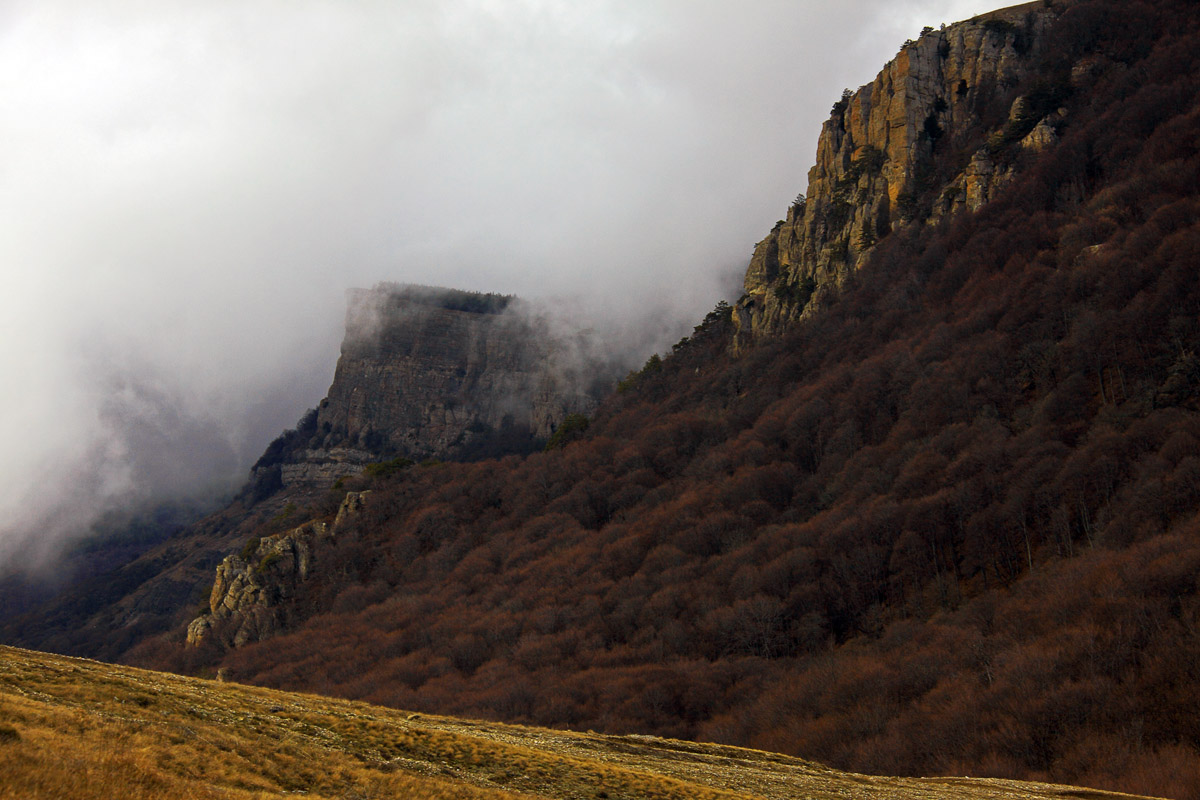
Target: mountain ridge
[945, 520]
[430, 372]
[882, 156]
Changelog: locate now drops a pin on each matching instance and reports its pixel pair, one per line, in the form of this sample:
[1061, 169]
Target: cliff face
[420, 377]
[251, 590]
[921, 141]
[423, 373]
[436, 373]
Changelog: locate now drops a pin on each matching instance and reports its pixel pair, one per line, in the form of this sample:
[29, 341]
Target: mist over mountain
[187, 195]
[921, 498]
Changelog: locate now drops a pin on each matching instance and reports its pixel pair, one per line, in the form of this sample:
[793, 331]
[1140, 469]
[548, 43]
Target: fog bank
[188, 189]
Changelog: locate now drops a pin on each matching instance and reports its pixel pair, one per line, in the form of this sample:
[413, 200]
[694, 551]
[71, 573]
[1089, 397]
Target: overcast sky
[187, 189]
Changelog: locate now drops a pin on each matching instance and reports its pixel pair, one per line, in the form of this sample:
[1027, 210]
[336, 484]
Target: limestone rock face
[421, 376]
[423, 373]
[874, 160]
[251, 589]
[321, 468]
[1042, 136]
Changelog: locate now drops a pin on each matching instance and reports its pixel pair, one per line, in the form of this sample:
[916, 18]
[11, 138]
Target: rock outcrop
[435, 373]
[424, 373]
[250, 594]
[881, 157]
[320, 469]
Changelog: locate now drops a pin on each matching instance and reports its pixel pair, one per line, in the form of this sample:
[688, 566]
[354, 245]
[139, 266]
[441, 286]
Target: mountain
[428, 372]
[923, 501]
[939, 131]
[450, 375]
[80, 729]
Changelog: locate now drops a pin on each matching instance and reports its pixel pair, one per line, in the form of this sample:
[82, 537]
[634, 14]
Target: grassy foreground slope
[83, 729]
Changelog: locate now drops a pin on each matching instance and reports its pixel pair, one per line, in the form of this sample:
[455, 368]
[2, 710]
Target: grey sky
[186, 190]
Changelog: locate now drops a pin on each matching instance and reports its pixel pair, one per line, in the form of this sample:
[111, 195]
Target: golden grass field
[72, 728]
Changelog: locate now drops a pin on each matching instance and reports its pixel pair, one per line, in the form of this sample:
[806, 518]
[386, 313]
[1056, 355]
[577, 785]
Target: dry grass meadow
[72, 728]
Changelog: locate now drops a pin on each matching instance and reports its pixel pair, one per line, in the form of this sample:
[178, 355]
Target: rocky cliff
[939, 130]
[250, 594]
[424, 373]
[427, 372]
[438, 373]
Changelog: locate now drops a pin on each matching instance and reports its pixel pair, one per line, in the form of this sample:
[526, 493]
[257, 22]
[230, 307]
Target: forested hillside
[946, 523]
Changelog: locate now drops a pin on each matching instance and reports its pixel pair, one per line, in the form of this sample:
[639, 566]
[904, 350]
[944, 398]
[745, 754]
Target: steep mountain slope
[101, 609]
[79, 729]
[925, 500]
[450, 375]
[944, 519]
[427, 372]
[437, 373]
[938, 131]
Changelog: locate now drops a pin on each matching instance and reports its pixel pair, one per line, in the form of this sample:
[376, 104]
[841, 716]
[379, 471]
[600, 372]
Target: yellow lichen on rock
[873, 158]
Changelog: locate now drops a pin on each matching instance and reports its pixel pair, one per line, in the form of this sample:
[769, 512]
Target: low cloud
[189, 189]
